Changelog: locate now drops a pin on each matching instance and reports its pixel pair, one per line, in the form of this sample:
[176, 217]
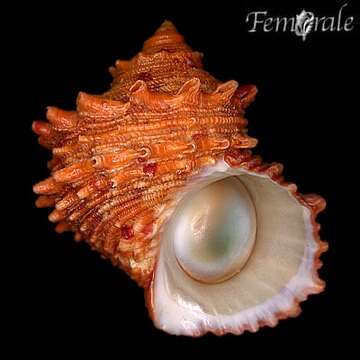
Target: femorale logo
[301, 24]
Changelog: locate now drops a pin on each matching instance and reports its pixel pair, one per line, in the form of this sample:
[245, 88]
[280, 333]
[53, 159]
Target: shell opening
[275, 270]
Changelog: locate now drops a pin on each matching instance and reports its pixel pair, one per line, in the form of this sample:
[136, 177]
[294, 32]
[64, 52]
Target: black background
[304, 116]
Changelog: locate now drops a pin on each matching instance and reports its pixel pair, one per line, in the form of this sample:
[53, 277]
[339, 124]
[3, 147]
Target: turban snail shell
[157, 175]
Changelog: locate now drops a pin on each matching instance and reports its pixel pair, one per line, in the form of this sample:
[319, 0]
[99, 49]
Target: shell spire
[165, 63]
[166, 38]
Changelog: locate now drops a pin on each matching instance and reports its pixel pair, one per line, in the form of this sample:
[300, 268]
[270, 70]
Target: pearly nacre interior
[278, 268]
[214, 231]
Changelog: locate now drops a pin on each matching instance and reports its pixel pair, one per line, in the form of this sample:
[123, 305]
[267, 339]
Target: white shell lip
[180, 317]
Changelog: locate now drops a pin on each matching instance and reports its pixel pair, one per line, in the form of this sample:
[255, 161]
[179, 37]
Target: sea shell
[155, 171]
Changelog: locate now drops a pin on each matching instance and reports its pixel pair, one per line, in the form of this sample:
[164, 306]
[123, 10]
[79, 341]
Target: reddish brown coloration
[150, 168]
[121, 157]
[127, 232]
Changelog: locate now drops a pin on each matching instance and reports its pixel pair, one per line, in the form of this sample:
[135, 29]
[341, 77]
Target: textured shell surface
[123, 160]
